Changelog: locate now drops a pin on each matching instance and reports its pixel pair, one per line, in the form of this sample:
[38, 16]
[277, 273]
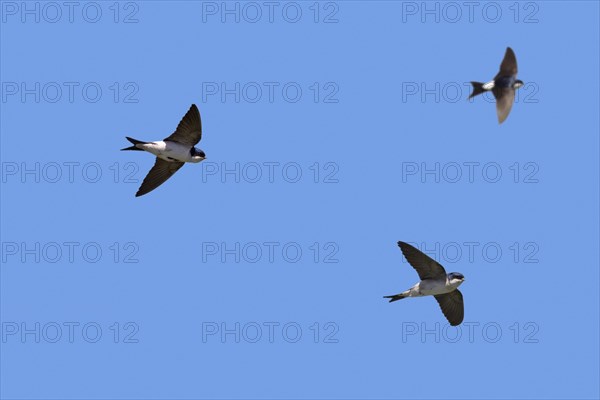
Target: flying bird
[503, 86]
[434, 282]
[171, 153]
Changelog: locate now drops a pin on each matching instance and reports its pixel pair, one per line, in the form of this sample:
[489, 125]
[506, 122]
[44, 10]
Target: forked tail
[135, 142]
[395, 297]
[477, 89]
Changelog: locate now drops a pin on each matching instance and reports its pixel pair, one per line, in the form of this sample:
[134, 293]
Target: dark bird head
[518, 83]
[197, 155]
[456, 277]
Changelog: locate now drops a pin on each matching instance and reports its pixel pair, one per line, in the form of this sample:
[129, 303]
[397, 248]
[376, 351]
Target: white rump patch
[488, 86]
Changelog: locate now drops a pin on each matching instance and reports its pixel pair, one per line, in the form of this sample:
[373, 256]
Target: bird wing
[509, 64]
[426, 267]
[452, 306]
[505, 97]
[160, 172]
[189, 130]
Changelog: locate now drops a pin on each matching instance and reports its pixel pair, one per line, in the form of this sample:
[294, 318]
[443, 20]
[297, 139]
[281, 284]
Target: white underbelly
[169, 151]
[433, 288]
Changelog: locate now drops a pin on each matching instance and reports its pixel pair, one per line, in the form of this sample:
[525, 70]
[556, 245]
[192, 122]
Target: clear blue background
[369, 133]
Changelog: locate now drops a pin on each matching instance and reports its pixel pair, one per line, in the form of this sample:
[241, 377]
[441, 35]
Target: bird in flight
[171, 153]
[434, 282]
[503, 86]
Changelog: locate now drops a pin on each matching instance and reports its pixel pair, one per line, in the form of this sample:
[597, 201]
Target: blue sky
[332, 130]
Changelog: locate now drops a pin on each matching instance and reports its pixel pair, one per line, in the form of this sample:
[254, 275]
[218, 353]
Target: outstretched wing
[452, 306]
[426, 267]
[505, 97]
[509, 64]
[160, 172]
[189, 130]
